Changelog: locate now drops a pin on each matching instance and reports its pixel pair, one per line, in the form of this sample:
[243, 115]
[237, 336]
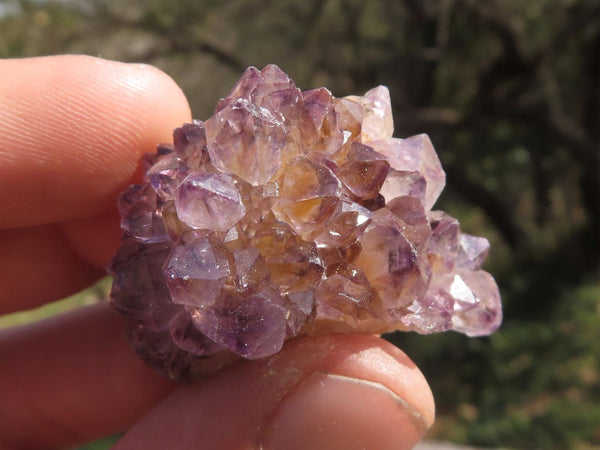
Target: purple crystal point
[391, 260]
[321, 131]
[247, 133]
[344, 226]
[417, 169]
[364, 171]
[309, 194]
[445, 236]
[164, 176]
[139, 288]
[301, 308]
[472, 251]
[190, 147]
[478, 311]
[209, 201]
[138, 207]
[349, 116]
[195, 270]
[187, 337]
[290, 213]
[346, 296]
[251, 324]
[377, 120]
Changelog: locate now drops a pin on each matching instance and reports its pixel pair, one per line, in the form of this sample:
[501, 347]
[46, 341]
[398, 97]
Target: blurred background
[508, 90]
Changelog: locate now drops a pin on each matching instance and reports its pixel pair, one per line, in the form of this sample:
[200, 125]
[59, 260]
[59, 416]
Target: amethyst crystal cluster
[286, 213]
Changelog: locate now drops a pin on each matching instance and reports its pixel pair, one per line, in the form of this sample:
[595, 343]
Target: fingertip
[361, 357]
[373, 359]
[405, 378]
[72, 130]
[333, 411]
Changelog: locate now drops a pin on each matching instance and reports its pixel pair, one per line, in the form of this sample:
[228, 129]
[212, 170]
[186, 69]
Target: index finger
[72, 129]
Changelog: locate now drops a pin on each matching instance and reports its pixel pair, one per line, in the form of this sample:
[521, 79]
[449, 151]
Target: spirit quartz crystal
[290, 213]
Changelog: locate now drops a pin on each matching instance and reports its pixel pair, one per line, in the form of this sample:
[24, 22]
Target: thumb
[330, 392]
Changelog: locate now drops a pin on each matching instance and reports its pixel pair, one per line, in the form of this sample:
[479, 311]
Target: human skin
[72, 130]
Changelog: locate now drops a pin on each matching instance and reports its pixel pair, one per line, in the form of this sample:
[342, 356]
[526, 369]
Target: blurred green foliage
[102, 444]
[97, 292]
[509, 90]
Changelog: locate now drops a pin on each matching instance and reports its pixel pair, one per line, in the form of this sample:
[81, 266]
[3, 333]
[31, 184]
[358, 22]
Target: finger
[38, 265]
[72, 379]
[72, 129]
[41, 264]
[336, 392]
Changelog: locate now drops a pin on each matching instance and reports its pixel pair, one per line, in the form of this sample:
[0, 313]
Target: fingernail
[329, 411]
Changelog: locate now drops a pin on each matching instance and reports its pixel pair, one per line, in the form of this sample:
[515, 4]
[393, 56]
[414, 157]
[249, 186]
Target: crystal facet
[290, 213]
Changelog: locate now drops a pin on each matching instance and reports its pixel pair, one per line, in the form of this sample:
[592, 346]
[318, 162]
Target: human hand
[72, 130]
